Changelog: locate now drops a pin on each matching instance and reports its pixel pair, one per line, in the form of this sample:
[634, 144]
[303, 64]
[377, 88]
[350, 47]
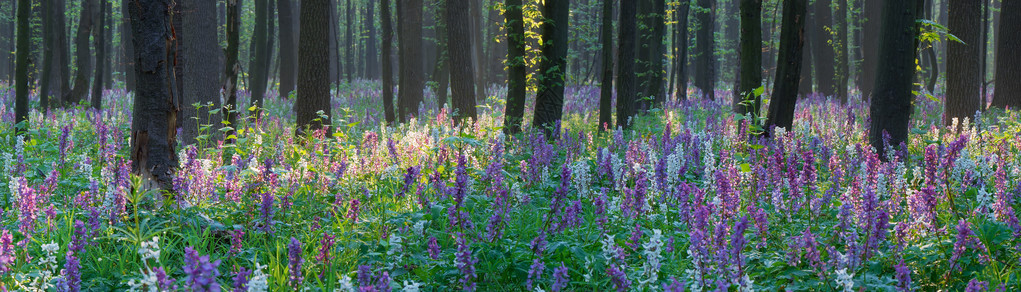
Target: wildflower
[345, 285]
[845, 280]
[618, 278]
[652, 251]
[412, 286]
[7, 255]
[241, 279]
[236, 236]
[150, 249]
[465, 263]
[201, 272]
[26, 204]
[352, 210]
[383, 283]
[434, 248]
[77, 238]
[977, 286]
[72, 273]
[965, 239]
[673, 286]
[560, 278]
[535, 272]
[259, 281]
[266, 210]
[294, 263]
[364, 275]
[903, 276]
[324, 257]
[163, 282]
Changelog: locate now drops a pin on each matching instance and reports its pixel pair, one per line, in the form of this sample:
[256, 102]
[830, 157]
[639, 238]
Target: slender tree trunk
[627, 90]
[705, 78]
[785, 90]
[681, 76]
[964, 75]
[871, 31]
[606, 83]
[371, 55]
[1008, 58]
[643, 64]
[154, 118]
[257, 66]
[288, 49]
[891, 104]
[746, 102]
[100, 44]
[441, 72]
[201, 72]
[336, 72]
[45, 82]
[128, 46]
[350, 43]
[840, 48]
[516, 70]
[21, 83]
[84, 56]
[549, 100]
[231, 69]
[313, 78]
[822, 48]
[387, 70]
[411, 79]
[477, 55]
[807, 76]
[462, 81]
[108, 50]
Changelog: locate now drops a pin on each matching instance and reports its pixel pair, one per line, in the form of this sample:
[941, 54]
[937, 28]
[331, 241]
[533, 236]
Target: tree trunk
[46, 80]
[807, 76]
[549, 100]
[606, 82]
[891, 105]
[477, 55]
[650, 54]
[154, 118]
[100, 44]
[349, 46]
[681, 74]
[822, 50]
[287, 51]
[128, 47]
[871, 31]
[313, 78]
[387, 70]
[371, 55]
[964, 75]
[705, 78]
[441, 71]
[840, 48]
[259, 61]
[84, 56]
[627, 90]
[201, 72]
[411, 80]
[108, 50]
[21, 72]
[1008, 58]
[785, 89]
[751, 59]
[516, 70]
[231, 69]
[462, 81]
[336, 72]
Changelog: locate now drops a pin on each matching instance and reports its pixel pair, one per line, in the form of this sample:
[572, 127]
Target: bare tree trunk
[606, 82]
[1008, 59]
[154, 118]
[313, 80]
[746, 102]
[21, 79]
[516, 68]
[705, 78]
[371, 55]
[100, 44]
[84, 56]
[231, 70]
[128, 47]
[681, 73]
[288, 49]
[441, 71]
[201, 72]
[549, 100]
[387, 70]
[627, 91]
[871, 31]
[785, 90]
[891, 104]
[964, 75]
[411, 79]
[462, 81]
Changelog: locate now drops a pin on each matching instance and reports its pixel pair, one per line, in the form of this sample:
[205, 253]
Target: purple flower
[241, 279]
[965, 239]
[737, 241]
[560, 278]
[977, 286]
[535, 272]
[294, 263]
[7, 255]
[903, 276]
[267, 212]
[465, 263]
[352, 210]
[27, 206]
[72, 273]
[618, 278]
[78, 238]
[236, 236]
[636, 237]
[383, 283]
[364, 275]
[434, 248]
[201, 273]
[673, 286]
[325, 245]
[165, 283]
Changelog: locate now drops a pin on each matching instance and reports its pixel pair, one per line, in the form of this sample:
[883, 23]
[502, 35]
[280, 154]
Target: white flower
[150, 249]
[395, 243]
[410, 287]
[609, 248]
[845, 280]
[419, 226]
[652, 251]
[345, 285]
[259, 281]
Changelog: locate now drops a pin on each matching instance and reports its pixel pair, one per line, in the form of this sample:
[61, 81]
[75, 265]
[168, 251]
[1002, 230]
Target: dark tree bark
[336, 72]
[964, 75]
[627, 90]
[127, 47]
[371, 55]
[891, 104]
[21, 72]
[441, 70]
[822, 50]
[549, 100]
[477, 55]
[785, 89]
[840, 48]
[49, 44]
[231, 69]
[1008, 58]
[705, 62]
[496, 48]
[108, 50]
[807, 77]
[313, 78]
[387, 70]
[606, 83]
[681, 48]
[83, 55]
[288, 49]
[350, 43]
[201, 71]
[62, 55]
[516, 69]
[751, 59]
[154, 118]
[871, 31]
[411, 80]
[650, 54]
[259, 61]
[462, 79]
[100, 44]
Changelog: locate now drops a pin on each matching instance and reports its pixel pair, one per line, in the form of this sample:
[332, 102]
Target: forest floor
[684, 199]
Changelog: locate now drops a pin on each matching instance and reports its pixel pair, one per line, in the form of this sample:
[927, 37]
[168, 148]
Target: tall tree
[387, 70]
[964, 75]
[549, 100]
[1008, 57]
[154, 118]
[516, 68]
[350, 47]
[127, 47]
[232, 67]
[822, 47]
[751, 58]
[371, 55]
[891, 104]
[606, 82]
[462, 79]
[411, 79]
[627, 90]
[313, 78]
[840, 48]
[259, 62]
[108, 38]
[201, 71]
[871, 32]
[288, 48]
[100, 44]
[681, 50]
[21, 72]
[441, 70]
[650, 53]
[49, 44]
[83, 55]
[785, 89]
[705, 62]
